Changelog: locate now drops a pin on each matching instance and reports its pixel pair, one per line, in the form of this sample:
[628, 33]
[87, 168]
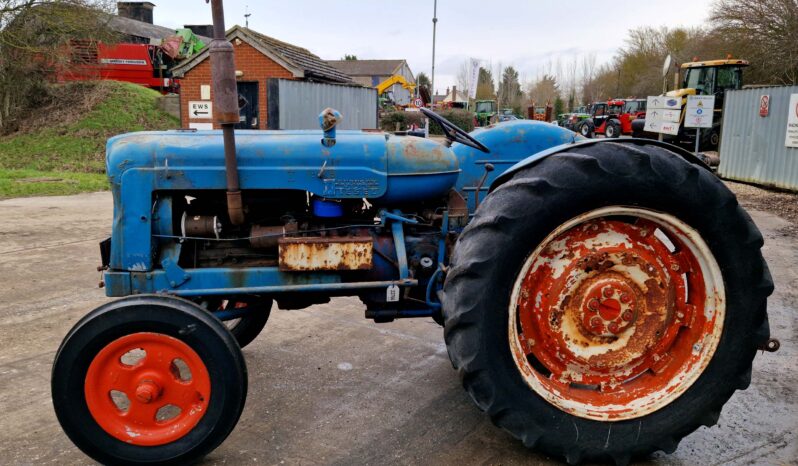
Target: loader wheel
[612, 130]
[148, 379]
[620, 316]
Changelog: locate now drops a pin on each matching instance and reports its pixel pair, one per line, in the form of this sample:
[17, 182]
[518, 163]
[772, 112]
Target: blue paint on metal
[233, 313]
[509, 143]
[327, 209]
[144, 168]
[397, 229]
[531, 160]
[237, 281]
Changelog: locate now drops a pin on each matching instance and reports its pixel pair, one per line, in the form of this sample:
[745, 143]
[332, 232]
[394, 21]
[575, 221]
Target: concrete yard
[326, 385]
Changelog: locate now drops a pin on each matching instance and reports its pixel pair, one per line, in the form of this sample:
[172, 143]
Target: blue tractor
[599, 299]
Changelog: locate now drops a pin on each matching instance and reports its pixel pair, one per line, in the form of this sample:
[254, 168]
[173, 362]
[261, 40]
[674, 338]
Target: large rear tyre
[148, 380]
[597, 312]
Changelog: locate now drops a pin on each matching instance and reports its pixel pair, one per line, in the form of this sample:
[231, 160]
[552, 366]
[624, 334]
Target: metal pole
[225, 99]
[697, 138]
[434, 25]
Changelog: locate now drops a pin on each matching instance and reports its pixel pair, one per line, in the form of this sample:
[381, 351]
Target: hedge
[461, 118]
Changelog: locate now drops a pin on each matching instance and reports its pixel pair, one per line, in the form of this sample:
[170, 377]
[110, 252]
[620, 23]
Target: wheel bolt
[625, 298]
[608, 292]
[595, 322]
[627, 316]
[593, 305]
[675, 267]
[147, 391]
[613, 327]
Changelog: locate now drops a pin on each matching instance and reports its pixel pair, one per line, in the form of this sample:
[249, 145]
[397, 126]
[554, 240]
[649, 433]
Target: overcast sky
[526, 34]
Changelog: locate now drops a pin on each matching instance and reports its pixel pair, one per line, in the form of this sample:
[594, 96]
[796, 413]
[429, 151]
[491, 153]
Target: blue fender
[581, 143]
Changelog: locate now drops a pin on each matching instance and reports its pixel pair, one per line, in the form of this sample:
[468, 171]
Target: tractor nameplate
[317, 253]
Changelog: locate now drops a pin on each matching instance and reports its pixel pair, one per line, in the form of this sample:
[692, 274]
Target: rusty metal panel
[317, 253]
[752, 146]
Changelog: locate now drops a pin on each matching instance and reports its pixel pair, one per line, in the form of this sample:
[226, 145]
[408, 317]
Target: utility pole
[247, 14]
[434, 24]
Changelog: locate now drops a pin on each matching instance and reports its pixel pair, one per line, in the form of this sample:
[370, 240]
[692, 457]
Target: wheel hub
[147, 391]
[608, 308]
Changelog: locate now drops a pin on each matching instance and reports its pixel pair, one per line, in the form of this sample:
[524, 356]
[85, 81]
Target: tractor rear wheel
[620, 317]
[148, 380]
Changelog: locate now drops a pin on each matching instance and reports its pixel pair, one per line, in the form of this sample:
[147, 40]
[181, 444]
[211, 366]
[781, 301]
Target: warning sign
[699, 111]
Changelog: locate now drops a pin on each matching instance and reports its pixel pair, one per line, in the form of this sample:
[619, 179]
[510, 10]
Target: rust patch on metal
[318, 254]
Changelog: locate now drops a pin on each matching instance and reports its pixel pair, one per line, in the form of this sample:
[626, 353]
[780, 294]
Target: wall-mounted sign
[200, 109]
[764, 105]
[792, 122]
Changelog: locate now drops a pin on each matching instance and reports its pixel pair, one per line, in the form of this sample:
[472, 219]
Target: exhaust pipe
[225, 102]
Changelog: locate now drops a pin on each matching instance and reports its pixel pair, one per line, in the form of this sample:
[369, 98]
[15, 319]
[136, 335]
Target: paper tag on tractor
[392, 294]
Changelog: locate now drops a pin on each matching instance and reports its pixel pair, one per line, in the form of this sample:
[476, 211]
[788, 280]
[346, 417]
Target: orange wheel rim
[616, 313]
[147, 389]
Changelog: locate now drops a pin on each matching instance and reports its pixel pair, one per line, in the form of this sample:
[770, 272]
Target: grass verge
[23, 183]
[61, 148]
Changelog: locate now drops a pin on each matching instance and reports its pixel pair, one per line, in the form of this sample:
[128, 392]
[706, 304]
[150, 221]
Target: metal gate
[297, 104]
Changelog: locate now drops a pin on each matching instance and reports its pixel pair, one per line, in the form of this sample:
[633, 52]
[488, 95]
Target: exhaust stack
[225, 103]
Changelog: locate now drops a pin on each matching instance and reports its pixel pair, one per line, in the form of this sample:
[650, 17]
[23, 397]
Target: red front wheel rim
[147, 389]
[616, 313]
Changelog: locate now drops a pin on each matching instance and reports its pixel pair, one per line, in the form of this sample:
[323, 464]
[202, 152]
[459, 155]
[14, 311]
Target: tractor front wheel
[613, 130]
[596, 312]
[148, 380]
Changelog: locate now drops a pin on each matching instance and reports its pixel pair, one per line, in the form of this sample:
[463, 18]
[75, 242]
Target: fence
[297, 104]
[752, 147]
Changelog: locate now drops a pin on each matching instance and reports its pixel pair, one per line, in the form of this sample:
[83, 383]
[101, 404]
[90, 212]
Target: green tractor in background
[485, 112]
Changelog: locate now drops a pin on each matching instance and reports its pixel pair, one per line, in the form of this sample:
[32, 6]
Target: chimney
[140, 11]
[454, 94]
[205, 30]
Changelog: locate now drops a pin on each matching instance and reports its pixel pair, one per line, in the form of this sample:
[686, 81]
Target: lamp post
[432, 81]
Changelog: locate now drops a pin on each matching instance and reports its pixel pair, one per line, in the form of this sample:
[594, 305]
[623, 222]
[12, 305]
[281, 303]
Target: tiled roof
[296, 59]
[367, 67]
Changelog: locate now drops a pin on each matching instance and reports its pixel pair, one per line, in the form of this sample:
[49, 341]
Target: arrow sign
[200, 109]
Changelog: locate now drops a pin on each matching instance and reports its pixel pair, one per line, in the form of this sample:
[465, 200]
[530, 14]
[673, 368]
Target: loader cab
[714, 77]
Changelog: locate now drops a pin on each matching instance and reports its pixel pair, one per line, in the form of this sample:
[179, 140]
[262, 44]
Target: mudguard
[533, 159]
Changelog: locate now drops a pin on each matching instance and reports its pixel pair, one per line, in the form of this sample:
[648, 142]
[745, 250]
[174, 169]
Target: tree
[544, 91]
[348, 57]
[486, 89]
[559, 106]
[37, 37]
[763, 31]
[422, 80]
[510, 94]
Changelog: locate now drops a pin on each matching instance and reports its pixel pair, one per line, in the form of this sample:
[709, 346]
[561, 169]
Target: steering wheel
[454, 133]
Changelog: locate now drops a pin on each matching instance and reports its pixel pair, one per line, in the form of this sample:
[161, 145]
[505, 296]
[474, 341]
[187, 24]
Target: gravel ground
[781, 203]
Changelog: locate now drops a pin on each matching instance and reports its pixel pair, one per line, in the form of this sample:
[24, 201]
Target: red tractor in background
[612, 118]
[141, 64]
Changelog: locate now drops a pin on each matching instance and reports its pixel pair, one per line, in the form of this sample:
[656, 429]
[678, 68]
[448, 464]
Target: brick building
[257, 59]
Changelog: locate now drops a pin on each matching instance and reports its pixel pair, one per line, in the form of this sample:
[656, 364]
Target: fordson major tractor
[600, 300]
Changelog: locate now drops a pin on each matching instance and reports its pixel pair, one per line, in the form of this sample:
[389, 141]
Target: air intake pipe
[225, 102]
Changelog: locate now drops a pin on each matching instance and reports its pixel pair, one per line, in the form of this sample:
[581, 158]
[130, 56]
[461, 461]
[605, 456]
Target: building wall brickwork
[255, 66]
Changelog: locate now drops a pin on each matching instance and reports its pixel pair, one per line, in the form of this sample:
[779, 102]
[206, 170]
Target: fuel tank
[418, 169]
[383, 168]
